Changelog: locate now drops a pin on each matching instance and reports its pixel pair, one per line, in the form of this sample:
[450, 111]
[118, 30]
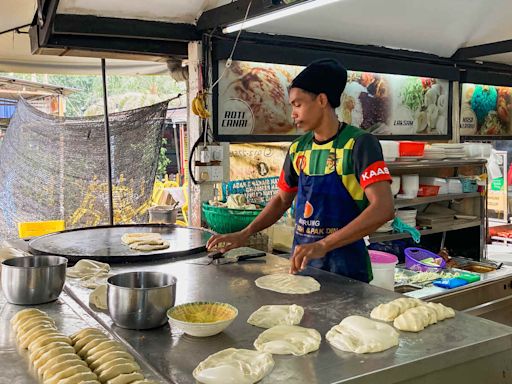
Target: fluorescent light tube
[280, 13]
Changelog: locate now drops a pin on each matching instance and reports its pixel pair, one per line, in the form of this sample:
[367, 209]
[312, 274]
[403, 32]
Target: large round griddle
[103, 243]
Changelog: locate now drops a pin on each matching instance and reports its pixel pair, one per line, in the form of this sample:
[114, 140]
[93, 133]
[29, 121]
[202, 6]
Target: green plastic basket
[227, 220]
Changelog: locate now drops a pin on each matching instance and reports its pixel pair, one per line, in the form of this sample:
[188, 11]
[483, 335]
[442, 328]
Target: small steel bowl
[140, 300]
[33, 279]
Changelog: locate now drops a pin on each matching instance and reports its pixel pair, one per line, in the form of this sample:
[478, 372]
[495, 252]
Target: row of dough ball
[412, 315]
[87, 357]
[50, 351]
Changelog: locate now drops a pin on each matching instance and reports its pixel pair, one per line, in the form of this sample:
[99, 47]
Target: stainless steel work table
[465, 349]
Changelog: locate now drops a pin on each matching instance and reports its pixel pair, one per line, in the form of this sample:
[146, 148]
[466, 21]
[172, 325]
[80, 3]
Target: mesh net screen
[54, 168]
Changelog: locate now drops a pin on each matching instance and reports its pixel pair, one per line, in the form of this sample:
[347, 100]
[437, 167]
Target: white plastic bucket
[383, 268]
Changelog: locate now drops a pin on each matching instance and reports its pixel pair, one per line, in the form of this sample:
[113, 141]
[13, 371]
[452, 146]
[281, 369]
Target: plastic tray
[413, 257]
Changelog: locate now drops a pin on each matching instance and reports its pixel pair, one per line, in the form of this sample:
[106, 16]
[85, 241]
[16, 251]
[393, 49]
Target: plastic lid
[379, 257]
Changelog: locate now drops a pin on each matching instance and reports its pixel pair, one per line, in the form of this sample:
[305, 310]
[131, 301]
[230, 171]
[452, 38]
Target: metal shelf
[400, 203]
[457, 224]
[425, 164]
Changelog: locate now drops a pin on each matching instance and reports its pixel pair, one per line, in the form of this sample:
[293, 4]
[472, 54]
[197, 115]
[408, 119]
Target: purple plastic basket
[413, 257]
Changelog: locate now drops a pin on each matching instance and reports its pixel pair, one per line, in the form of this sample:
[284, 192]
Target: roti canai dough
[269, 316]
[151, 246]
[98, 297]
[129, 238]
[390, 311]
[361, 335]
[288, 340]
[412, 320]
[234, 366]
[288, 283]
[126, 378]
[443, 312]
[86, 268]
[385, 312]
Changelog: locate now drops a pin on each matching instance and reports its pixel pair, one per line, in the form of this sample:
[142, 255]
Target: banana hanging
[198, 106]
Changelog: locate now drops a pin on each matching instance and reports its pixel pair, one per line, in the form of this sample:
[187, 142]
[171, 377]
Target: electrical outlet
[216, 172]
[216, 152]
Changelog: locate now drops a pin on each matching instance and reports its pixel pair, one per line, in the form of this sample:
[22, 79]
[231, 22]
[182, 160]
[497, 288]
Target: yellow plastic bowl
[202, 319]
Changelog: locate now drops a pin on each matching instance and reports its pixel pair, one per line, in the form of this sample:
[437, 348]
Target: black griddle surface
[104, 243]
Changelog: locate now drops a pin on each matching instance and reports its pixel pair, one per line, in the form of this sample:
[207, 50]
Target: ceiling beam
[126, 28]
[235, 12]
[60, 44]
[47, 9]
[482, 50]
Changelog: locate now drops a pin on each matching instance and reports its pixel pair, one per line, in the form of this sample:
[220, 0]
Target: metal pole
[107, 144]
[177, 149]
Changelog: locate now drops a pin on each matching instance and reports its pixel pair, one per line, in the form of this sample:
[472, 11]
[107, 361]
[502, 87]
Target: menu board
[253, 100]
[485, 110]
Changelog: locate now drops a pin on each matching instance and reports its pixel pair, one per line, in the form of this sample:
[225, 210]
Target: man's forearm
[366, 223]
[272, 212]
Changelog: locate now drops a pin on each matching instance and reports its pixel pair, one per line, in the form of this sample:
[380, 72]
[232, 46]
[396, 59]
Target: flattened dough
[145, 247]
[126, 378]
[361, 335]
[117, 370]
[129, 238]
[80, 378]
[85, 332]
[288, 283]
[87, 268]
[234, 366]
[25, 314]
[118, 361]
[288, 340]
[55, 379]
[109, 357]
[52, 371]
[57, 360]
[269, 316]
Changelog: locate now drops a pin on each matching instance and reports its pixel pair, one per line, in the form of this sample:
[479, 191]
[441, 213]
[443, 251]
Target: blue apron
[324, 206]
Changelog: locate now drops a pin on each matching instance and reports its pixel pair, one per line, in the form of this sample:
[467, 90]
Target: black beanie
[323, 76]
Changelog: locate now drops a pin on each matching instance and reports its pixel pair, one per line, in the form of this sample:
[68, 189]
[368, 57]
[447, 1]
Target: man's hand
[226, 242]
[305, 252]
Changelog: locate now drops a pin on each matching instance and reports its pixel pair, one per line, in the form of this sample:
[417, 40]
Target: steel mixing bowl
[140, 300]
[33, 279]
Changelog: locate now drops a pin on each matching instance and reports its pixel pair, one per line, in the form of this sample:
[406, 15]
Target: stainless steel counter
[465, 349]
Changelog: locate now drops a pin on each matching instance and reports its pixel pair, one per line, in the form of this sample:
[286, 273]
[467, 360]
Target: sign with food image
[255, 169]
[253, 100]
[485, 110]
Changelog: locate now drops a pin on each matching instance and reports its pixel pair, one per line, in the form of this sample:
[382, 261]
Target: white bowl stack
[389, 150]
[407, 215]
[434, 153]
[386, 227]
[452, 151]
[410, 185]
[477, 150]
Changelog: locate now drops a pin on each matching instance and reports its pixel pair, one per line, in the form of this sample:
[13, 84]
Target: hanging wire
[230, 58]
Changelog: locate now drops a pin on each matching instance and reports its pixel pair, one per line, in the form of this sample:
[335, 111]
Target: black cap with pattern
[323, 76]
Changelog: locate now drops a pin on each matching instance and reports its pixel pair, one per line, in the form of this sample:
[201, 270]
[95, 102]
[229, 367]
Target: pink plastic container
[383, 268]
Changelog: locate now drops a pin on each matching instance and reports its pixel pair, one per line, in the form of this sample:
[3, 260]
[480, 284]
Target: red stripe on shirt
[283, 185]
[376, 172]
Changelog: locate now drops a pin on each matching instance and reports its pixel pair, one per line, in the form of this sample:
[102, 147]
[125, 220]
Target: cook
[338, 175]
